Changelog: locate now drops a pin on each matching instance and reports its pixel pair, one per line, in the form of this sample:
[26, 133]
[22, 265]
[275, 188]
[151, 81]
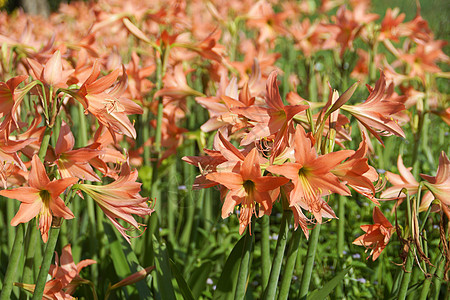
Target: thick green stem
[13, 262]
[32, 237]
[406, 276]
[341, 238]
[290, 264]
[438, 280]
[145, 135]
[271, 289]
[341, 225]
[242, 279]
[309, 263]
[93, 237]
[10, 212]
[46, 261]
[427, 283]
[44, 143]
[172, 197]
[265, 251]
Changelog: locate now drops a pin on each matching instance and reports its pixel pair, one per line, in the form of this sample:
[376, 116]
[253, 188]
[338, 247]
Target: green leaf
[184, 288]
[163, 273]
[125, 261]
[197, 281]
[226, 286]
[328, 287]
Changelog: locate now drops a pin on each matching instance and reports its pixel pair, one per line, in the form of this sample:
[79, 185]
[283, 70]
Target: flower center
[249, 186]
[45, 197]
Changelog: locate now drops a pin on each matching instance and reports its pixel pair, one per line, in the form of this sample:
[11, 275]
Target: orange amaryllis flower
[73, 163]
[10, 99]
[358, 174]
[69, 272]
[65, 278]
[439, 185]
[52, 73]
[120, 199]
[311, 176]
[273, 120]
[247, 188]
[41, 198]
[377, 113]
[376, 236]
[405, 180]
[105, 103]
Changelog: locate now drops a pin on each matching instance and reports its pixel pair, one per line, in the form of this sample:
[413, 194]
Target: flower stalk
[265, 251]
[13, 263]
[47, 259]
[271, 289]
[244, 267]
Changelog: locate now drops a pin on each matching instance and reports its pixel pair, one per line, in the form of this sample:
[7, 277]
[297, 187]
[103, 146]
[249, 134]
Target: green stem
[10, 212]
[271, 289]
[406, 276]
[309, 263]
[438, 280]
[341, 226]
[145, 135]
[427, 283]
[13, 263]
[341, 238]
[46, 261]
[242, 279]
[265, 251]
[290, 264]
[32, 237]
[172, 197]
[44, 144]
[372, 66]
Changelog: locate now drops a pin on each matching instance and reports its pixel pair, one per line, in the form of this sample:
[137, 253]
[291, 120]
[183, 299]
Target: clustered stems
[291, 258]
[271, 289]
[251, 95]
[406, 275]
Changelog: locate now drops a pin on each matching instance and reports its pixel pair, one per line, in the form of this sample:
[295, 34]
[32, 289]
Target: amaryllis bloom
[358, 174]
[120, 199]
[220, 106]
[439, 185]
[273, 120]
[376, 236]
[52, 73]
[10, 98]
[73, 163]
[65, 276]
[105, 103]
[405, 181]
[41, 198]
[390, 25]
[377, 112]
[175, 84]
[247, 188]
[311, 176]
